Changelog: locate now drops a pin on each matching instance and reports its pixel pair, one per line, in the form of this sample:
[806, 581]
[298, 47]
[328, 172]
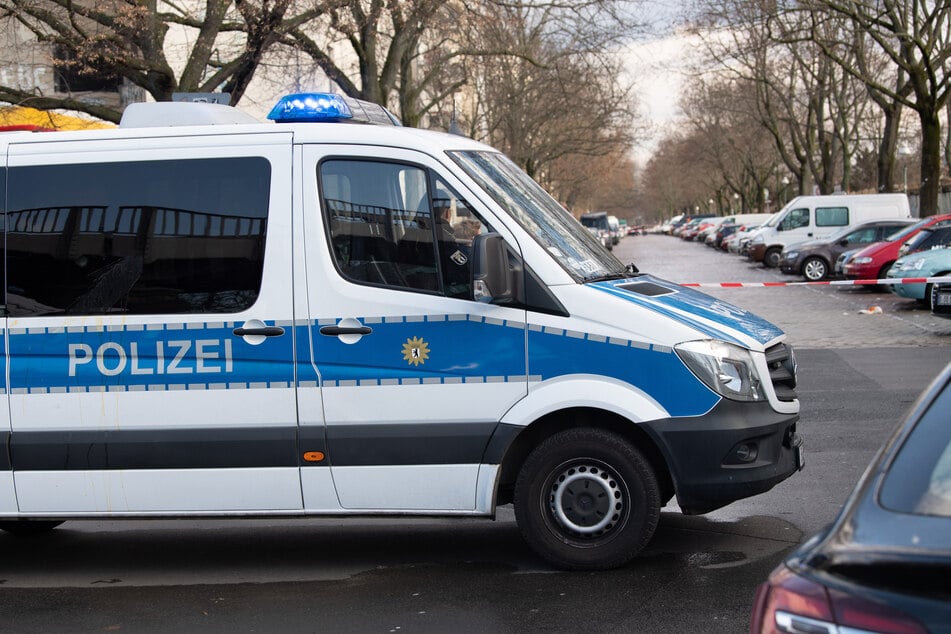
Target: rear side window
[919, 480]
[148, 237]
[832, 216]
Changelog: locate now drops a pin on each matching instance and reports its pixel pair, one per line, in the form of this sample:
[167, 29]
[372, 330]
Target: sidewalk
[812, 316]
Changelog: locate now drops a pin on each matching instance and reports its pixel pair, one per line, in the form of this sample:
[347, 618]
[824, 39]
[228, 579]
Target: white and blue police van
[332, 315]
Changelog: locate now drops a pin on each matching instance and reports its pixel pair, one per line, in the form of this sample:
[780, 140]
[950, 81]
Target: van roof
[182, 119]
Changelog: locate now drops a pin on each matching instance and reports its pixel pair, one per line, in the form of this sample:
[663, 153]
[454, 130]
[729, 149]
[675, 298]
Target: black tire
[29, 527]
[605, 518]
[882, 272]
[815, 269]
[771, 258]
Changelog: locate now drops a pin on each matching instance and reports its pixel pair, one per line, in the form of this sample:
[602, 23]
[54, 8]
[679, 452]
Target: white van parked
[224, 318]
[811, 217]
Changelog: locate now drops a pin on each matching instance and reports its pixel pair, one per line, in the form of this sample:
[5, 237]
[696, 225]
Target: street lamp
[710, 202]
[782, 198]
[736, 202]
[904, 151]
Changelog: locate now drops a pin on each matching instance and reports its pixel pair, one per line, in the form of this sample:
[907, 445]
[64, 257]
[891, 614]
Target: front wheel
[815, 269]
[772, 257]
[587, 499]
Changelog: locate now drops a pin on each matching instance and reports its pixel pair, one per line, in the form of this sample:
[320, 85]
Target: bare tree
[809, 105]
[729, 138]
[226, 42]
[916, 37]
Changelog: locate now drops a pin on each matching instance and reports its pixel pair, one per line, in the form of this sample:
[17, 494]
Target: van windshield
[566, 239]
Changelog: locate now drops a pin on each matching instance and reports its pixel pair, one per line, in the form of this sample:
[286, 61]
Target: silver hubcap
[814, 270]
[586, 499]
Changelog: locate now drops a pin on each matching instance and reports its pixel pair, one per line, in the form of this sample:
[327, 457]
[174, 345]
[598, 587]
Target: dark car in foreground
[884, 565]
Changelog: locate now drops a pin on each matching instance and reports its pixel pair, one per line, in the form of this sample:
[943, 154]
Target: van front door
[151, 327]
[415, 375]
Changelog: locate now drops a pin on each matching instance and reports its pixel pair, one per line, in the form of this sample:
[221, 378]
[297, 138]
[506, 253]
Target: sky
[656, 68]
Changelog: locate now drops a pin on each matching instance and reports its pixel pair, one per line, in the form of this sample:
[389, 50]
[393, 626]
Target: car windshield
[919, 480]
[572, 246]
[904, 232]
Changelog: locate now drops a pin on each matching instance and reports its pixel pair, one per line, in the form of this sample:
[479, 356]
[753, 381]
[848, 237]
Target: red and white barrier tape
[896, 280]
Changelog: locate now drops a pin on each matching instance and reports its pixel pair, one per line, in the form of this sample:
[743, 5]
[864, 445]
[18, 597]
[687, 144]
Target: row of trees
[812, 93]
[535, 78]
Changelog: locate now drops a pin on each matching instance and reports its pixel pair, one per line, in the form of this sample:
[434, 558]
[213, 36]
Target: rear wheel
[815, 269]
[771, 258]
[29, 527]
[587, 499]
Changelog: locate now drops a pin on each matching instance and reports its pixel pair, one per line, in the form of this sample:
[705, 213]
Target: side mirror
[496, 271]
[844, 242]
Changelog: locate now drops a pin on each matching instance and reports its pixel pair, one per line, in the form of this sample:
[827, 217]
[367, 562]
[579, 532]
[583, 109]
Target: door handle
[265, 331]
[335, 331]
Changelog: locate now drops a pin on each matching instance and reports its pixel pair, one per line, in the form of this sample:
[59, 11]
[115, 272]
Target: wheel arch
[560, 420]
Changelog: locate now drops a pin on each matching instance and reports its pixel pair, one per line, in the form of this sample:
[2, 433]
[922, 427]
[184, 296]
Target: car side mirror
[844, 242]
[496, 271]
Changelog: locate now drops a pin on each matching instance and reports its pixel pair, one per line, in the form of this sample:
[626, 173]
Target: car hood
[809, 244]
[711, 317]
[933, 260]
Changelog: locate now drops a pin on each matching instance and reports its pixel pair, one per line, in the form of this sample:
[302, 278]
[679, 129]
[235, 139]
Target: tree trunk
[930, 163]
[887, 147]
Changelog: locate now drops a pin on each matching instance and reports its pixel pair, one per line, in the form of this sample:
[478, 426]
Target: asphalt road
[858, 375]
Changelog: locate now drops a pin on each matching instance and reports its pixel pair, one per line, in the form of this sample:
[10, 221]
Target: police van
[332, 315]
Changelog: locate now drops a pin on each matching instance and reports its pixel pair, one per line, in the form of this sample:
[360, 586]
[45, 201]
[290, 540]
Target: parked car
[938, 235]
[844, 258]
[615, 226]
[739, 242]
[678, 223]
[933, 263]
[941, 300]
[816, 217]
[813, 259]
[883, 565]
[599, 221]
[706, 235]
[874, 260]
[600, 237]
[694, 227]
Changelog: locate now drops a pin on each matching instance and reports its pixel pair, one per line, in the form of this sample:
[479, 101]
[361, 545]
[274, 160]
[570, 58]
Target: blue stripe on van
[682, 303]
[453, 349]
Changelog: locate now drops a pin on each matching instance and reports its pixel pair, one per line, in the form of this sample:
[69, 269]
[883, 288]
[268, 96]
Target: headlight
[726, 369]
[911, 265]
[862, 260]
[757, 240]
[792, 255]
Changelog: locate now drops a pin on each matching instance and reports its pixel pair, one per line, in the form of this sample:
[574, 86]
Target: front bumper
[861, 271]
[756, 252]
[735, 451]
[793, 266]
[910, 291]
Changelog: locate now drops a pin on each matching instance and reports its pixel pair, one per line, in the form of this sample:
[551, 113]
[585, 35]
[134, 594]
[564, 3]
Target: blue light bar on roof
[320, 107]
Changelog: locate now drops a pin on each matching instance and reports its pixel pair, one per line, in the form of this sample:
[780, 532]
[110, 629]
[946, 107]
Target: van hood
[710, 316]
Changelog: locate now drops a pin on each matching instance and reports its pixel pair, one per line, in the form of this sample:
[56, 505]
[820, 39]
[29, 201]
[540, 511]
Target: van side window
[396, 225]
[832, 216]
[144, 237]
[794, 219]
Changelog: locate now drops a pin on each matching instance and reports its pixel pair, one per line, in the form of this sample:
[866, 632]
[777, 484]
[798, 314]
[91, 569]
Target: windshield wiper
[629, 271]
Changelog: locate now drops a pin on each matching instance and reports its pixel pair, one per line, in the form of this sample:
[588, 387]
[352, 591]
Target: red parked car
[873, 262]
